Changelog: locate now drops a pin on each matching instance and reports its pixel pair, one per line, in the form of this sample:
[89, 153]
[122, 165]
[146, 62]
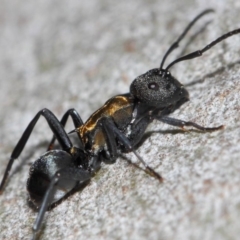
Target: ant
[116, 127]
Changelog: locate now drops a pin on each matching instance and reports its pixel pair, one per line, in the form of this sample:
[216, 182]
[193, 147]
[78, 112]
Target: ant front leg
[182, 124]
[77, 121]
[112, 133]
[56, 128]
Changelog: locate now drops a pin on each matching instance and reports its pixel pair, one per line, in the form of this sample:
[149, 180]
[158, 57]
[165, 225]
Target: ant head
[158, 88]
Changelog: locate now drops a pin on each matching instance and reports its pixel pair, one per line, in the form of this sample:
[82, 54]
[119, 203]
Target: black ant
[116, 127]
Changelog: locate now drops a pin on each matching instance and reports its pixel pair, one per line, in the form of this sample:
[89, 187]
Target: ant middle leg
[112, 133]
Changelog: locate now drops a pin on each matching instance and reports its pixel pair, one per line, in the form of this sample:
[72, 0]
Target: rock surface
[64, 54]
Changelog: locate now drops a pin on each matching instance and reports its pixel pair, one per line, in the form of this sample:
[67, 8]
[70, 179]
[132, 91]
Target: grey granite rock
[64, 54]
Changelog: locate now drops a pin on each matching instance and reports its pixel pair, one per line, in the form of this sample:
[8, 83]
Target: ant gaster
[116, 127]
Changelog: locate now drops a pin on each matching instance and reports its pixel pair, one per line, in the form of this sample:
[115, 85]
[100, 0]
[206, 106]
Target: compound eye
[153, 86]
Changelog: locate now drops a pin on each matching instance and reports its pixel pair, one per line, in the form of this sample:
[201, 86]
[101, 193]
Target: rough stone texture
[63, 54]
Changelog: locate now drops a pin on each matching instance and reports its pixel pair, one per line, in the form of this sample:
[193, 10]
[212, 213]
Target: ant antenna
[176, 44]
[199, 53]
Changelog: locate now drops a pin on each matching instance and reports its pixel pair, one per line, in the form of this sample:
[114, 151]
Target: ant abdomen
[43, 170]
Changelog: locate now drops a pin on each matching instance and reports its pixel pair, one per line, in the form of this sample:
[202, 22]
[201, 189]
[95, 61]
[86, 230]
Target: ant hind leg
[56, 128]
[69, 175]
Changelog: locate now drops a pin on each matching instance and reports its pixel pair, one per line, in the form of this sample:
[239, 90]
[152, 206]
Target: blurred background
[78, 54]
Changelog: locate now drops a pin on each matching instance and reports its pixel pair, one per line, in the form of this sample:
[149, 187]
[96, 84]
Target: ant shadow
[149, 134]
[212, 74]
[209, 75]
[164, 132]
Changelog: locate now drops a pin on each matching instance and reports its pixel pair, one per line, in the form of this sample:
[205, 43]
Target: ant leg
[111, 153]
[67, 174]
[113, 132]
[77, 121]
[56, 128]
[182, 124]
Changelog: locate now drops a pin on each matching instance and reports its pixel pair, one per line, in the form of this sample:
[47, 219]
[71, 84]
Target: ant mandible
[116, 127]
